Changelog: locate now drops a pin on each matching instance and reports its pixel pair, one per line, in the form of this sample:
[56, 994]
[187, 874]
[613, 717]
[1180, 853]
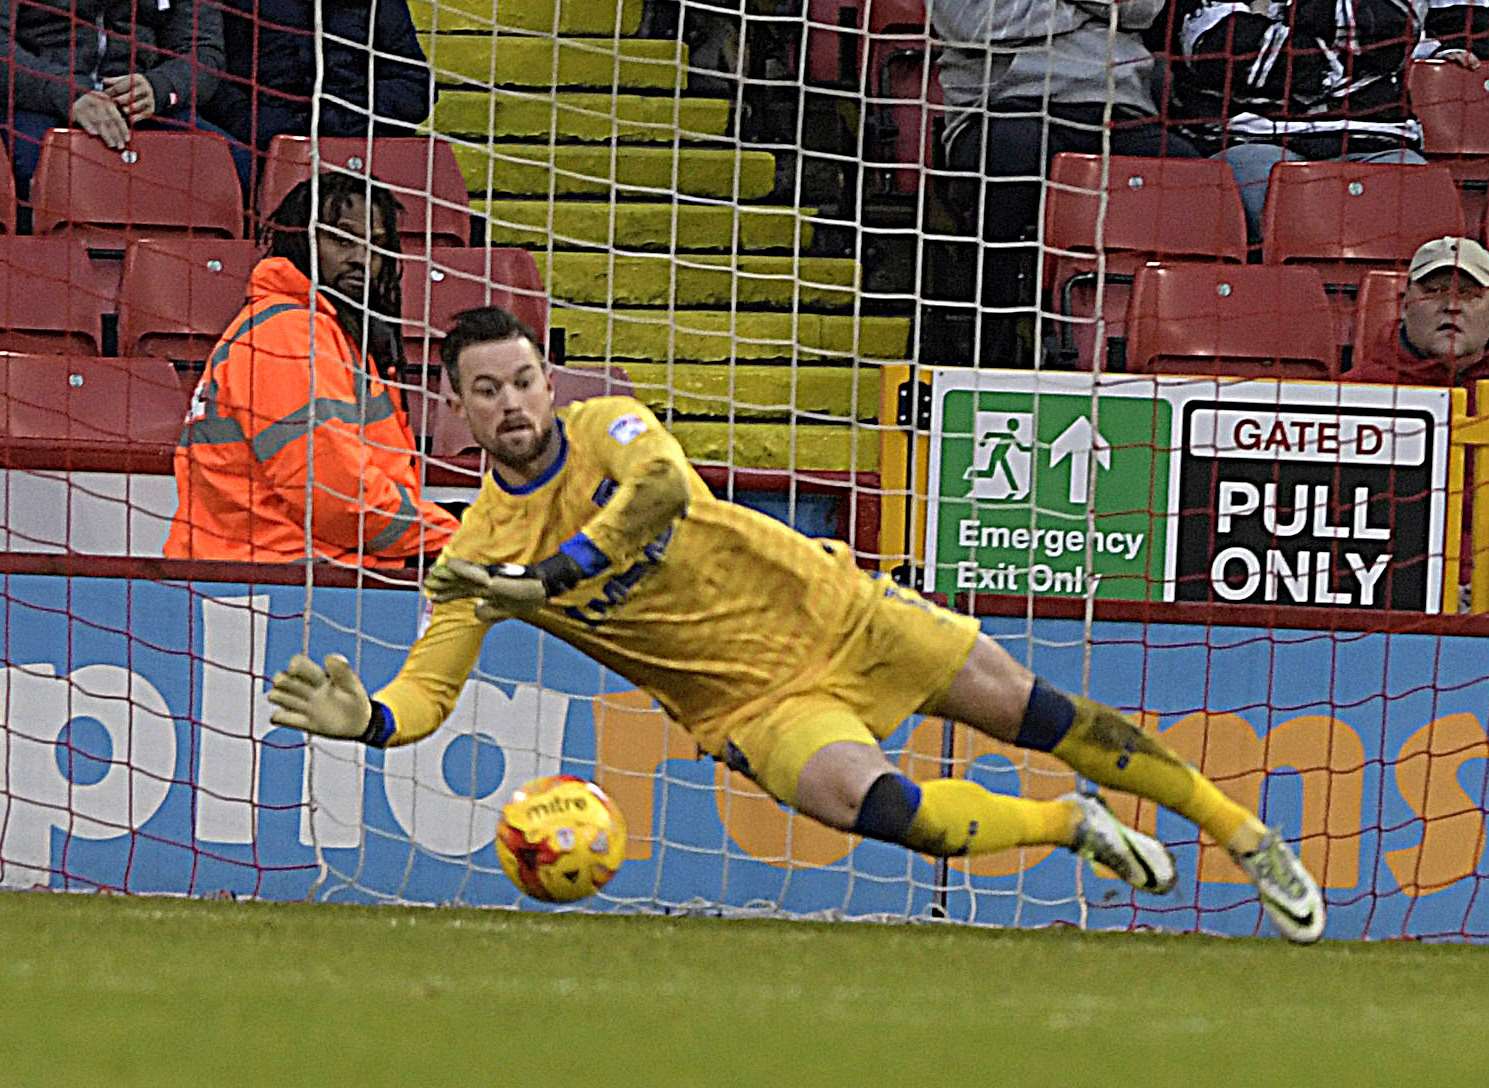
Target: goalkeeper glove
[511, 588]
[330, 702]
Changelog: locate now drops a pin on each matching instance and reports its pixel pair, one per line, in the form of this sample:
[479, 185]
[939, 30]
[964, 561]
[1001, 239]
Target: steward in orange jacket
[272, 424]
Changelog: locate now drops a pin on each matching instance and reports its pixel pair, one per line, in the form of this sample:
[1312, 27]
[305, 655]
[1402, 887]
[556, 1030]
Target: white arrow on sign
[1075, 442]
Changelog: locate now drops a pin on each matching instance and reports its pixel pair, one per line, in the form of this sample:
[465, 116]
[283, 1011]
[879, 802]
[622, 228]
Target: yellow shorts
[901, 659]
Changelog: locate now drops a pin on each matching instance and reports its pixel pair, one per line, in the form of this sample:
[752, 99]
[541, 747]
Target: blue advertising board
[138, 756]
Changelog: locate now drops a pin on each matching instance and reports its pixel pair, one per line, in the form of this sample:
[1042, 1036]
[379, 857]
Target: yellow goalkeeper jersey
[721, 609]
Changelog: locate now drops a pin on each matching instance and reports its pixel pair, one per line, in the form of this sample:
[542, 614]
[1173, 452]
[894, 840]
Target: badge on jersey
[625, 429]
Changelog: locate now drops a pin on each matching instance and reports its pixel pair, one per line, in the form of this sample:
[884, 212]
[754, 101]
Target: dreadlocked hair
[286, 233]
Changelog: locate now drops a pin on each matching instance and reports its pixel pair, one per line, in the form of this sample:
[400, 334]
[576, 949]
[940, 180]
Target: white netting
[747, 216]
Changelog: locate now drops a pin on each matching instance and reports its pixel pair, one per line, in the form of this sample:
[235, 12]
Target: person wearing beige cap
[1441, 335]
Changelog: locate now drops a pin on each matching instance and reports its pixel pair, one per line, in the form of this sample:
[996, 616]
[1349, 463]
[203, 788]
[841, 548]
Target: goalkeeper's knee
[888, 809]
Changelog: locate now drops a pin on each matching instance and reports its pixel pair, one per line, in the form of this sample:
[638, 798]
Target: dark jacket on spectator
[58, 50]
[271, 66]
[1309, 75]
[1459, 24]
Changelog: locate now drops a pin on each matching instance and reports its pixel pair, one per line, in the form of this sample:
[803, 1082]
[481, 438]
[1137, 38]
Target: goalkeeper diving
[775, 651]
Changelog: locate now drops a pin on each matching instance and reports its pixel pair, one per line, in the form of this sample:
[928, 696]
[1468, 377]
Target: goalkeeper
[777, 654]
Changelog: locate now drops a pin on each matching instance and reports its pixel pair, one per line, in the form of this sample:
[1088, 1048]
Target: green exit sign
[1047, 489]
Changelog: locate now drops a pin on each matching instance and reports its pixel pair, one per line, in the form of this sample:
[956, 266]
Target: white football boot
[1139, 859]
[1288, 893]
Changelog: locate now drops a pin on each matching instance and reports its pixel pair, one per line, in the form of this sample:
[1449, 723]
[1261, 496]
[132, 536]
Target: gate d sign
[1308, 504]
[1016, 462]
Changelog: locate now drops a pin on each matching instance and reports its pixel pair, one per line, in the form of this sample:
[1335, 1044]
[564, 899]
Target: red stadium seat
[177, 296]
[161, 183]
[1378, 308]
[422, 173]
[834, 41]
[7, 194]
[574, 382]
[906, 105]
[1249, 320]
[52, 297]
[449, 279]
[1453, 105]
[905, 99]
[72, 399]
[1347, 218]
[1156, 209]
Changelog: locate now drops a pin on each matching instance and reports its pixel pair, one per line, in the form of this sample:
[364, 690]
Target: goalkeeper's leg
[999, 697]
[826, 763]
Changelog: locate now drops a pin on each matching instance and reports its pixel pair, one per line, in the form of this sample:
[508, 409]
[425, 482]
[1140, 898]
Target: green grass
[102, 991]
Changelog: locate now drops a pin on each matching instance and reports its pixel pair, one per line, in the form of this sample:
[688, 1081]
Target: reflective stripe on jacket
[261, 436]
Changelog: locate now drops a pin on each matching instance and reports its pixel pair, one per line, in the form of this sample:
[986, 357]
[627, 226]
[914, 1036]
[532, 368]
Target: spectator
[271, 70]
[1440, 338]
[1026, 79]
[1441, 335]
[107, 66]
[1302, 79]
[292, 411]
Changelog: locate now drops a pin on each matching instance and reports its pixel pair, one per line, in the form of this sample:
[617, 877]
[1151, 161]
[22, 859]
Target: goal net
[1086, 399]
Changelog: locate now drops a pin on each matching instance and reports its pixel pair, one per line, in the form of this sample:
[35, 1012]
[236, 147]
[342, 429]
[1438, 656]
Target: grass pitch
[103, 991]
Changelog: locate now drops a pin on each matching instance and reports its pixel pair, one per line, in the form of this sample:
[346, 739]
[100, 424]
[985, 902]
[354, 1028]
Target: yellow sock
[1105, 747]
[958, 817]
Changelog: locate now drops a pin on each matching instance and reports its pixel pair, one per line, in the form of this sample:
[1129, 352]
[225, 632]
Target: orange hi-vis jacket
[261, 437]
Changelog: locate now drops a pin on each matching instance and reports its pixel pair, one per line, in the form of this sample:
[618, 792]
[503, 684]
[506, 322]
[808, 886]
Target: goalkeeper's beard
[521, 459]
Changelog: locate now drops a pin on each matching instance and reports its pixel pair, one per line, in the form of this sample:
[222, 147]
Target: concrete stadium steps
[580, 170]
[541, 111]
[537, 16]
[519, 61]
[644, 226]
[588, 117]
[704, 335]
[800, 446]
[701, 280]
[753, 391]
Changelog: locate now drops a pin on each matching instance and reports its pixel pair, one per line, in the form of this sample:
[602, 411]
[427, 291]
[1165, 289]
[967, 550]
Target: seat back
[579, 382]
[834, 41]
[1161, 209]
[52, 298]
[1156, 210]
[1378, 308]
[7, 194]
[907, 105]
[438, 285]
[71, 399]
[1340, 213]
[421, 172]
[1249, 320]
[1453, 105]
[903, 83]
[161, 183]
[177, 296]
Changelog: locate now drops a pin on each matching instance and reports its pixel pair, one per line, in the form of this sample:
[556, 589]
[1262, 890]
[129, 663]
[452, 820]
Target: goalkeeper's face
[507, 398]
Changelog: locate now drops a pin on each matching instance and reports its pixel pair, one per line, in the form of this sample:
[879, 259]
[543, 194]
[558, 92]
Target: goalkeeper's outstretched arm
[332, 701]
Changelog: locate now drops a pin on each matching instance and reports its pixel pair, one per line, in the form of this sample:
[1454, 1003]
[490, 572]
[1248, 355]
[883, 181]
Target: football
[560, 838]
